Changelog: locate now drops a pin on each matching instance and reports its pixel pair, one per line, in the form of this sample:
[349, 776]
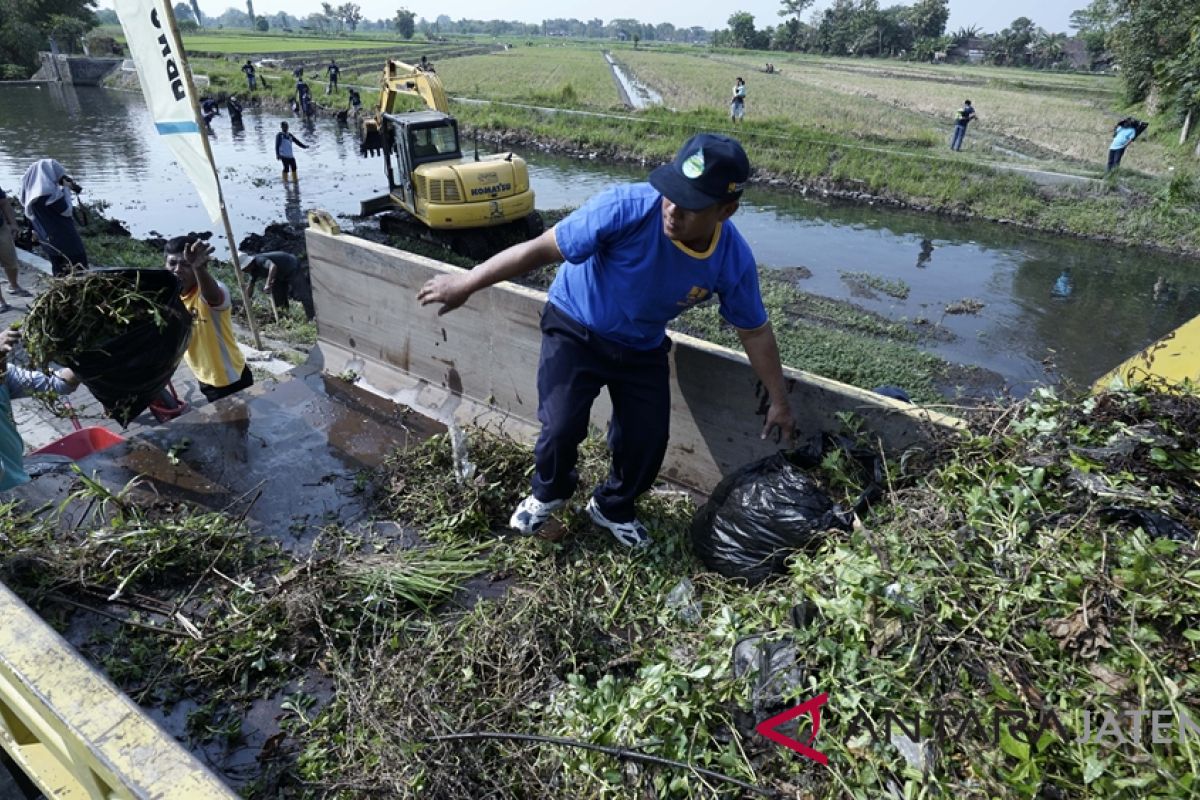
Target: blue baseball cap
[707, 170]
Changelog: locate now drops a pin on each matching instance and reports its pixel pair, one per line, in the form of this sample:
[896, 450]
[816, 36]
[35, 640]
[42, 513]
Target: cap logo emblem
[693, 165]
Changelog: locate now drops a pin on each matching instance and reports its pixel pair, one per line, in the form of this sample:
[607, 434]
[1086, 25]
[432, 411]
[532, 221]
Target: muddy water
[1079, 307]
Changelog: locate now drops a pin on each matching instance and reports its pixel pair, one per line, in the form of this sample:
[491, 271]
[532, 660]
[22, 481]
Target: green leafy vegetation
[1000, 572]
[82, 312]
[832, 339]
[892, 288]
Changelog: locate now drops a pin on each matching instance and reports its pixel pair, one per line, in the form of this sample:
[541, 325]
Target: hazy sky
[988, 14]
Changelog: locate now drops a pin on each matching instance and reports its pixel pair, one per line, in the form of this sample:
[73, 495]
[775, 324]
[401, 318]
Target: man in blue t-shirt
[633, 258]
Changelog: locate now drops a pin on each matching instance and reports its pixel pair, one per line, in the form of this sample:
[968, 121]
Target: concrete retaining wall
[77, 70]
[478, 365]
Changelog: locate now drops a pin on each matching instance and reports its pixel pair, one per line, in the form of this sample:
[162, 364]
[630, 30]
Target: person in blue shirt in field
[633, 258]
[1124, 133]
[961, 120]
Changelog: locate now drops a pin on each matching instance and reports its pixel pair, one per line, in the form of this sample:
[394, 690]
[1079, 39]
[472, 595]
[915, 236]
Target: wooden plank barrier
[478, 365]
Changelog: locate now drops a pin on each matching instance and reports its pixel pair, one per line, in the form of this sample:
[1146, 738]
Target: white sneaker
[630, 534]
[532, 514]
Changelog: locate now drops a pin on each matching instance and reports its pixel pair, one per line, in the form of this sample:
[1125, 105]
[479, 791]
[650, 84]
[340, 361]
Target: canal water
[1081, 306]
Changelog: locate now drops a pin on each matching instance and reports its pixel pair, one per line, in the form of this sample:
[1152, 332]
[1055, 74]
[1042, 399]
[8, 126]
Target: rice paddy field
[265, 43]
[863, 128]
[1028, 117]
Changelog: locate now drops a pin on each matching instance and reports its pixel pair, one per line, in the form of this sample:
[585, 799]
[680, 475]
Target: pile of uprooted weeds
[81, 312]
[1008, 622]
[1013, 619]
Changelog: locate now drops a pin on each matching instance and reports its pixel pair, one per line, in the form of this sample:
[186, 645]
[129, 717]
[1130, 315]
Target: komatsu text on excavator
[429, 178]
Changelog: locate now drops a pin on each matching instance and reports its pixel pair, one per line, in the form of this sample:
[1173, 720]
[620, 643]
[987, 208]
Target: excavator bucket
[370, 138]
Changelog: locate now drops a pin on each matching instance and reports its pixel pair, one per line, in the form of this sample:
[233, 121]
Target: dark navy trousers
[575, 364]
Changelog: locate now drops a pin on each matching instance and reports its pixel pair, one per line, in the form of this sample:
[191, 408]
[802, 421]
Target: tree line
[916, 32]
[27, 26]
[348, 17]
[1156, 44]
[1153, 43]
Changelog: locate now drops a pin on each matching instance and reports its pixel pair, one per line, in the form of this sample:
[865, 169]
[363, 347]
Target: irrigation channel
[1031, 299]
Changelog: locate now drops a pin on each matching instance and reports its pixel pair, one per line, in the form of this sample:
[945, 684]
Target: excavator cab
[411, 140]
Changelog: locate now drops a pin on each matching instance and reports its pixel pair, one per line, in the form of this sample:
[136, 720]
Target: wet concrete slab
[296, 448]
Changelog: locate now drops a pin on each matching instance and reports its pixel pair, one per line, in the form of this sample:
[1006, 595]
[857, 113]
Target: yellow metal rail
[74, 733]
[1175, 358]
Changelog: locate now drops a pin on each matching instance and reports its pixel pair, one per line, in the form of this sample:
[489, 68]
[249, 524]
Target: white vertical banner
[161, 67]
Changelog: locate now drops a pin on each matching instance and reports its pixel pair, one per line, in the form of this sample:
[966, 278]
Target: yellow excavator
[429, 179]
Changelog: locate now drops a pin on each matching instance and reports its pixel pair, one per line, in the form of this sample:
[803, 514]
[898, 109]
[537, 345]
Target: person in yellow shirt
[213, 353]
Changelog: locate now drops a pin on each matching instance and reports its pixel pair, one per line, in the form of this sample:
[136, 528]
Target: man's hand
[449, 290]
[197, 254]
[781, 422]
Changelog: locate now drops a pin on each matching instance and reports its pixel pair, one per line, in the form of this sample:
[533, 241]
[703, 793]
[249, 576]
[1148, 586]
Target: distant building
[1076, 56]
[971, 51]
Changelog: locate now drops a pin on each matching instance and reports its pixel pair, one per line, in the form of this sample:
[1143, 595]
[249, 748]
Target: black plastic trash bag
[1158, 526]
[127, 372]
[761, 514]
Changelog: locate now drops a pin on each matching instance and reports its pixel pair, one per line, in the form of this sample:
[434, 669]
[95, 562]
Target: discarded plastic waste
[464, 470]
[761, 514]
[682, 599]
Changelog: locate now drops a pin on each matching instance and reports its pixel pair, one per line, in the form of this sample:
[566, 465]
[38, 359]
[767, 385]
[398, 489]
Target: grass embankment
[833, 339]
[985, 602]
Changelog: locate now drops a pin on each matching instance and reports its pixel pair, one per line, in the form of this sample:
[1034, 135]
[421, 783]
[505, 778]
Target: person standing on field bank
[1124, 133]
[213, 353]
[632, 258]
[46, 197]
[737, 106]
[283, 150]
[961, 120]
[333, 70]
[8, 252]
[251, 74]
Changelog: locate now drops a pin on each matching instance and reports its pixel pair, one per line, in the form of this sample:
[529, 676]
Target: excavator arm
[400, 80]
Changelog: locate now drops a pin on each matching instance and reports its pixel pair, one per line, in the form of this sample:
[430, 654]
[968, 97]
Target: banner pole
[195, 97]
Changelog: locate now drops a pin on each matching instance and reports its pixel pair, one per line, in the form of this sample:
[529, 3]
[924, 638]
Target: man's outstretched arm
[454, 290]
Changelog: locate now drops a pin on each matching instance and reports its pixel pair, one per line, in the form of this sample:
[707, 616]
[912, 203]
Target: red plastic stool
[167, 405]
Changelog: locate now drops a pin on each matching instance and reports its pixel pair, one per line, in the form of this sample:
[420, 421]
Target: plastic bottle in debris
[464, 470]
[682, 599]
